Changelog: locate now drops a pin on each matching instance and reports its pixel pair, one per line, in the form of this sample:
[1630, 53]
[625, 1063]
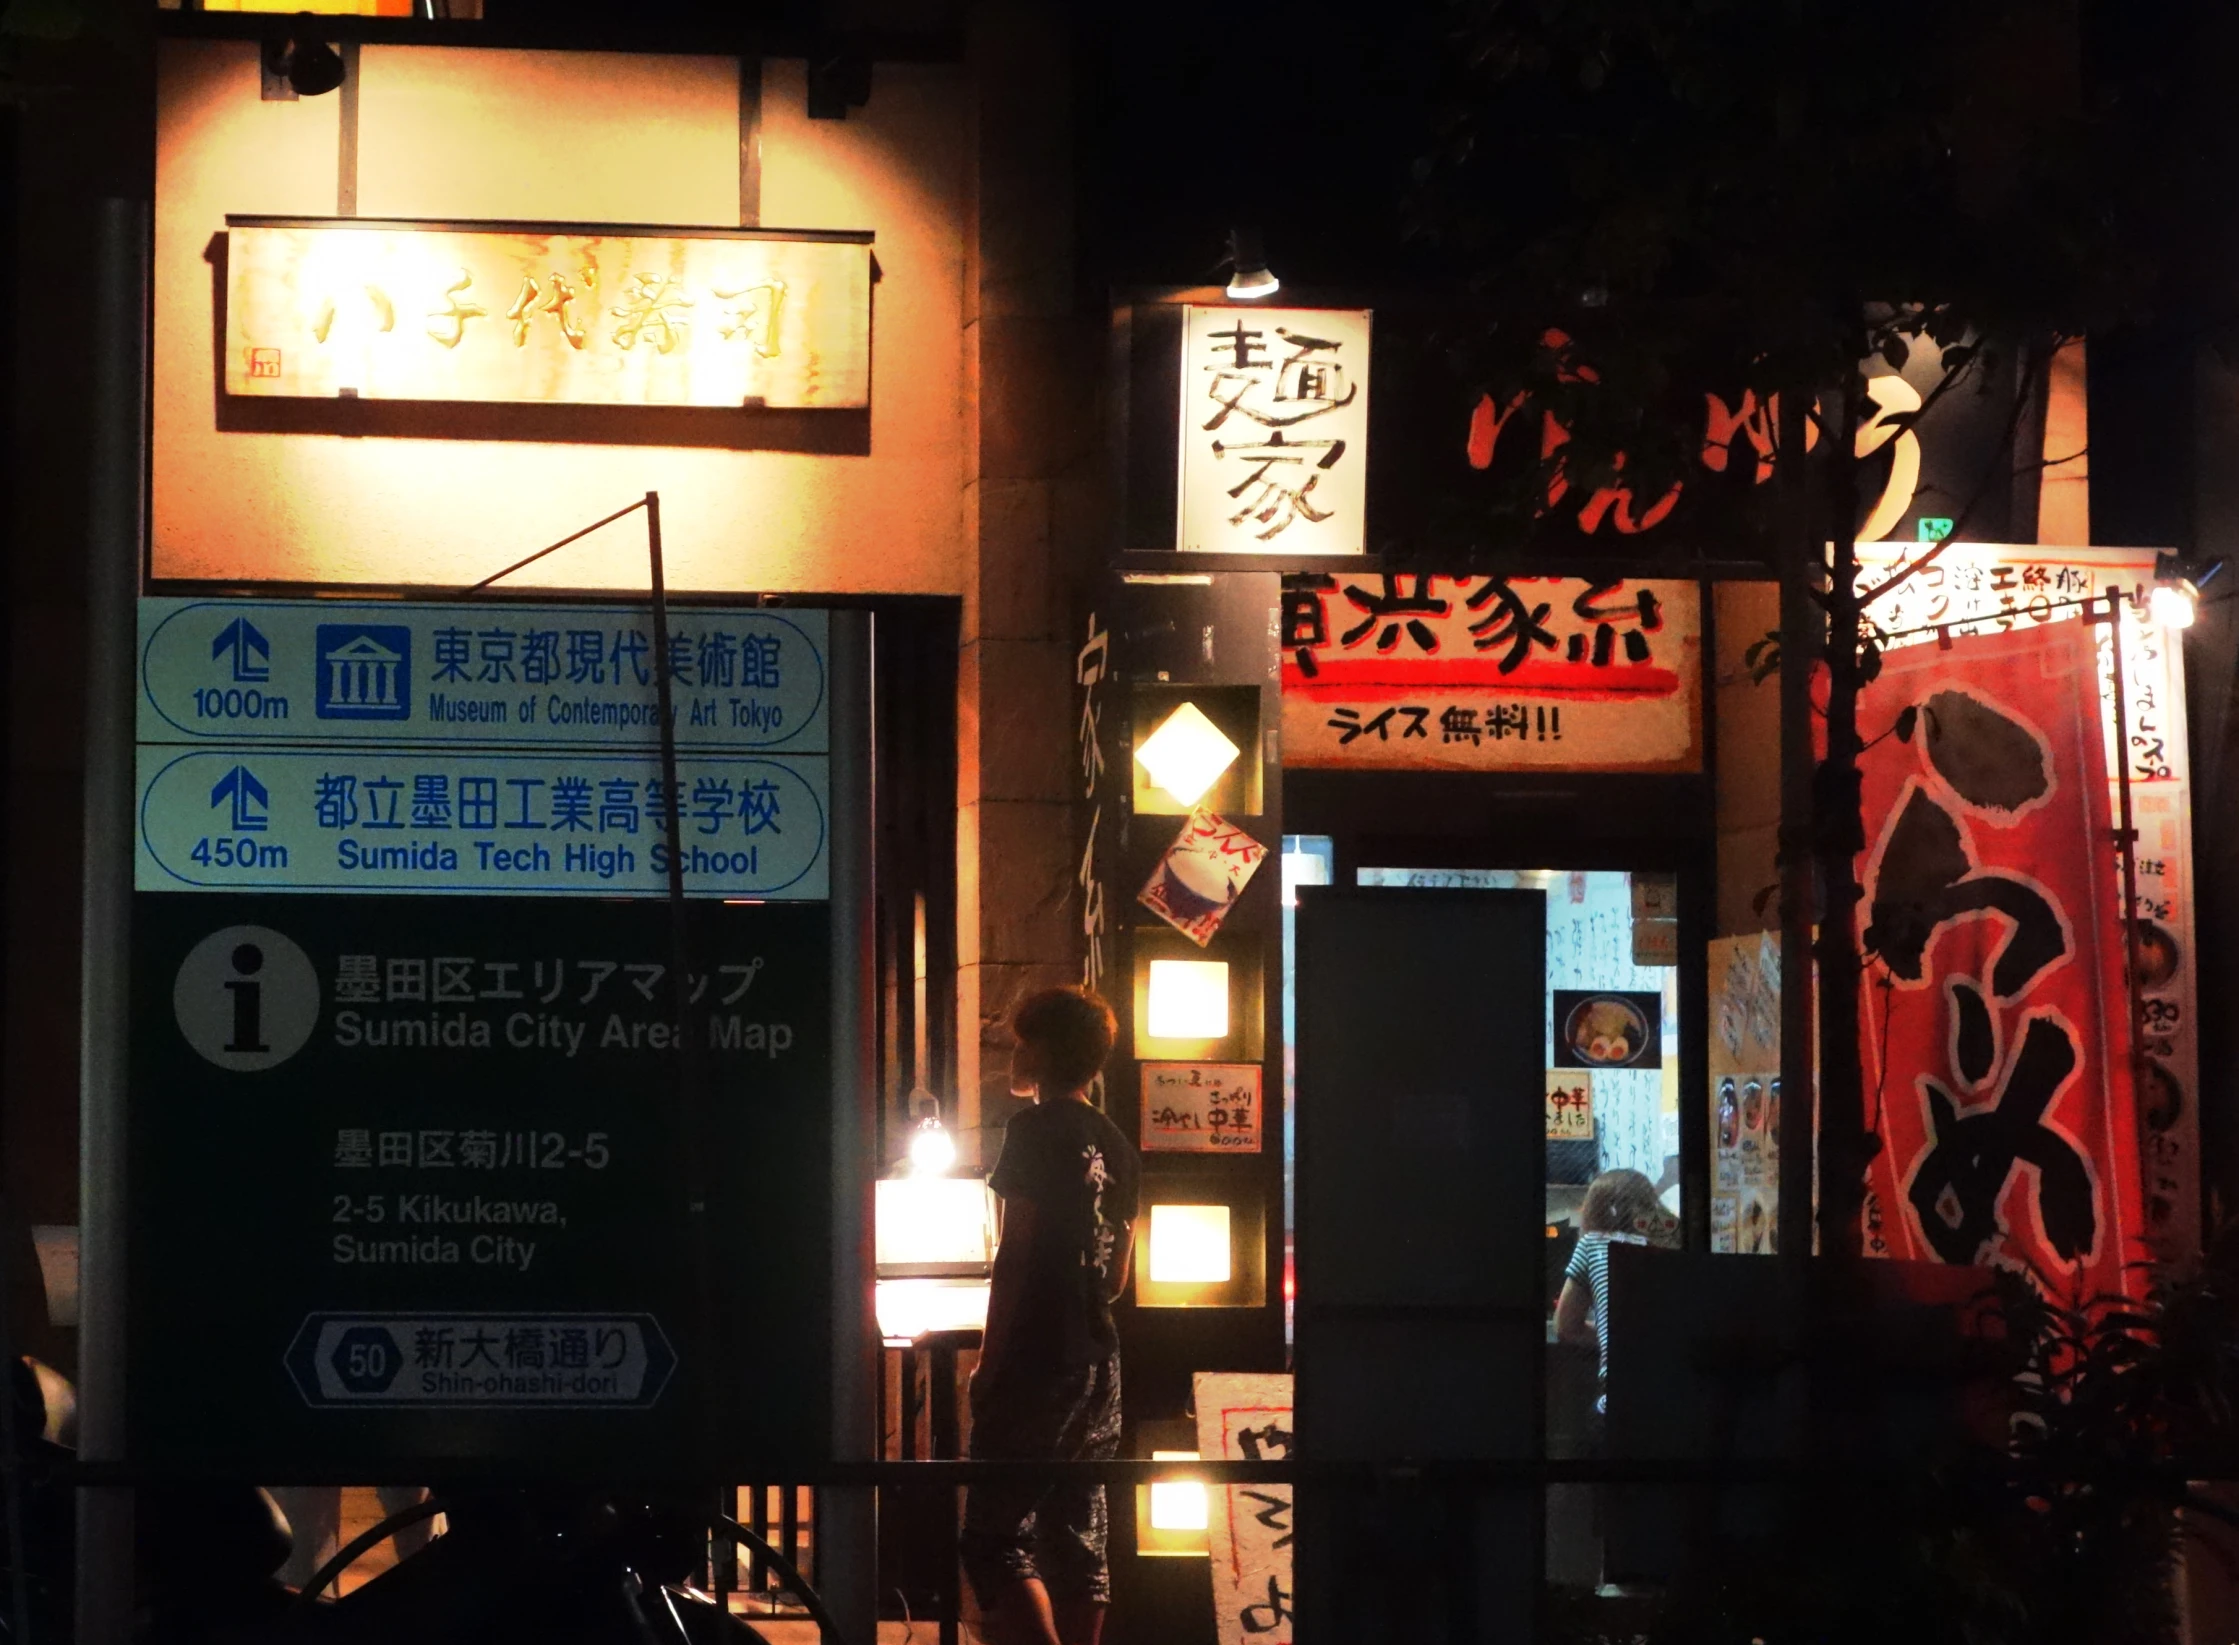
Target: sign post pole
[847, 1532]
[104, 1535]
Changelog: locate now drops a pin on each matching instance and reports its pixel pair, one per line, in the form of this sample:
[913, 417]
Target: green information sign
[408, 1184]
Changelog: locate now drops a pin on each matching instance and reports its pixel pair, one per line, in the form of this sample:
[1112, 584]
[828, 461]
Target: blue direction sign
[478, 1361]
[494, 676]
[461, 821]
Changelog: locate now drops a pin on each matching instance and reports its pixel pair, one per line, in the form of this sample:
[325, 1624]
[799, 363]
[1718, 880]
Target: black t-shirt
[1082, 1176]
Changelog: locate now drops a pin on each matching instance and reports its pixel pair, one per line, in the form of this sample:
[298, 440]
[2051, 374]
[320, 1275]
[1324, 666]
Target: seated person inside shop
[1048, 1384]
[1620, 1207]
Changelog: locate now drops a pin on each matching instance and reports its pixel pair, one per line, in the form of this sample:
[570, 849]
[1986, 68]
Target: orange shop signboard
[1481, 673]
[550, 313]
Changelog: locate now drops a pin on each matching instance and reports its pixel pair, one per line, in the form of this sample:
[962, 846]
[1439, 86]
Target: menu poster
[1201, 1108]
[1570, 1105]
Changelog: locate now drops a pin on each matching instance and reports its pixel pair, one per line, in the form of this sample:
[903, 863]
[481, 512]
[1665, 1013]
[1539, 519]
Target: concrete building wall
[810, 501]
[1034, 511]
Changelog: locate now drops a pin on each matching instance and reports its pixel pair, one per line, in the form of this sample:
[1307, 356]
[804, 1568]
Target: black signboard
[408, 1184]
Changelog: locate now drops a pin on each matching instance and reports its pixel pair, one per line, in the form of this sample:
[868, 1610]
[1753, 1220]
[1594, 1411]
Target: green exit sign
[1934, 529]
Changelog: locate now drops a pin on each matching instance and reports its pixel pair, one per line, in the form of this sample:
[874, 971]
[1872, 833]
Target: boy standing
[1048, 1384]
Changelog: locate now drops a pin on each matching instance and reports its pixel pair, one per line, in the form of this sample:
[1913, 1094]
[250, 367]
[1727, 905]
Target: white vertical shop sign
[1983, 587]
[1274, 430]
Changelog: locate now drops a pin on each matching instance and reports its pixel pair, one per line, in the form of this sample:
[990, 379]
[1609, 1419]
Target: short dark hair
[1074, 1030]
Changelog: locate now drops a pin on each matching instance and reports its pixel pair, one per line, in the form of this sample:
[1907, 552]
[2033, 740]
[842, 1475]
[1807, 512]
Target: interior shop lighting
[1186, 754]
[1249, 276]
[1189, 1245]
[1188, 1000]
[1178, 1504]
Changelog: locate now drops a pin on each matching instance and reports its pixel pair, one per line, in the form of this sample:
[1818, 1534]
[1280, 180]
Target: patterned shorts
[1016, 1529]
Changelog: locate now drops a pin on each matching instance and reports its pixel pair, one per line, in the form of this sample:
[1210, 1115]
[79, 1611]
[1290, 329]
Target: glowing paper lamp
[1186, 754]
[1188, 1000]
[1189, 1245]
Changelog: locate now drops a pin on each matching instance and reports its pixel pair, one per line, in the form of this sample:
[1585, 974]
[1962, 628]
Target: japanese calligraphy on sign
[1201, 1108]
[2009, 1131]
[1570, 1105]
[1247, 1418]
[1202, 874]
[1274, 430]
[1421, 670]
[548, 313]
[1975, 588]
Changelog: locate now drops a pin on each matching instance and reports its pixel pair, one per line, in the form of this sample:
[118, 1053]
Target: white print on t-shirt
[1098, 1177]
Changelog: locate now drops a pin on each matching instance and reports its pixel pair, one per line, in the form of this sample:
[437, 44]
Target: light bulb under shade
[1187, 1000]
[932, 1150]
[1190, 1245]
[1248, 284]
[1186, 754]
[2172, 604]
[1178, 1504]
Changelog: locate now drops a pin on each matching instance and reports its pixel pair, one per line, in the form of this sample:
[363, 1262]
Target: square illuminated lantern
[1186, 754]
[1190, 1245]
[1188, 1000]
[1178, 1504]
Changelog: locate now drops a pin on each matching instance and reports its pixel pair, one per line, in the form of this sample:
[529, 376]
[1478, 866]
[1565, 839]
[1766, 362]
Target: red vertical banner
[1994, 1014]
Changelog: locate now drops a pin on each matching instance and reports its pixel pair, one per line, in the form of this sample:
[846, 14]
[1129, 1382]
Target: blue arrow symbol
[248, 797]
[252, 652]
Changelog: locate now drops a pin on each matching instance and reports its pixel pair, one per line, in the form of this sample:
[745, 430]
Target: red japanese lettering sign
[1477, 673]
[1994, 1016]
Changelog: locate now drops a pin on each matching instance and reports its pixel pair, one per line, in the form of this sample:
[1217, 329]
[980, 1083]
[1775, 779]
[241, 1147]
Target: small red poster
[1995, 1007]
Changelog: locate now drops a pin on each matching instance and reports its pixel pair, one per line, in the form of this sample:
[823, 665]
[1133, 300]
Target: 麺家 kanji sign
[1274, 430]
[1479, 673]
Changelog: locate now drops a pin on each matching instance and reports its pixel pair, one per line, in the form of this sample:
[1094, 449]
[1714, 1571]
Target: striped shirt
[1589, 1266]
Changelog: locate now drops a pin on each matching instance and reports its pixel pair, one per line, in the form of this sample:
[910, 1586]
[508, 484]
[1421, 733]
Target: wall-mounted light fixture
[1200, 1240]
[1186, 754]
[1249, 276]
[1190, 1245]
[296, 67]
[2173, 601]
[932, 1149]
[1172, 1516]
[1188, 1000]
[1178, 1504]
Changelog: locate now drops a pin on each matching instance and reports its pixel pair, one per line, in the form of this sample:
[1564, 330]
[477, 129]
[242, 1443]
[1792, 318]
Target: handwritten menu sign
[1244, 1417]
[1201, 1108]
[1570, 1105]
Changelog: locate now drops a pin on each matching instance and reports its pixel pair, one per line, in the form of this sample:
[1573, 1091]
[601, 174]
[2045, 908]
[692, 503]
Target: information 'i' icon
[246, 998]
[248, 1001]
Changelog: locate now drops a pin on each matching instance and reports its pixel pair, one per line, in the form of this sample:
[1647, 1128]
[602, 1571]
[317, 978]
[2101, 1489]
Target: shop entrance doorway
[1613, 1012]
